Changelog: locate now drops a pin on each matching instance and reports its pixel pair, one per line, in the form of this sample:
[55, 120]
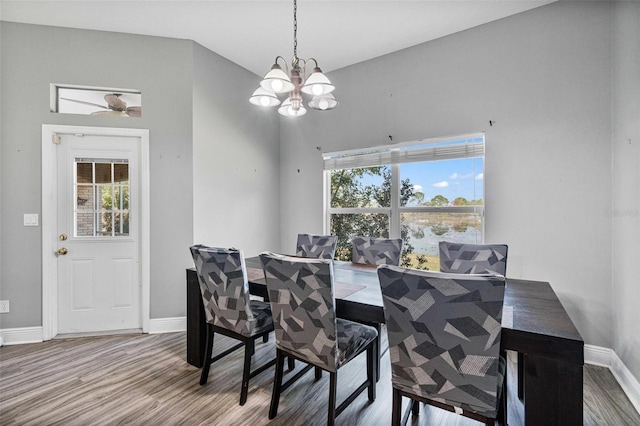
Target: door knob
[63, 237]
[61, 251]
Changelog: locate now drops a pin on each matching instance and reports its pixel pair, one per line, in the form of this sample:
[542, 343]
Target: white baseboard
[628, 383]
[167, 325]
[597, 355]
[23, 335]
[18, 336]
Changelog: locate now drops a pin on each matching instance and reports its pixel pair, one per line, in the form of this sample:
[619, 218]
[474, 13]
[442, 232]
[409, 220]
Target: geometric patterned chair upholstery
[377, 251]
[317, 246]
[444, 340]
[222, 275]
[301, 293]
[478, 259]
[473, 258]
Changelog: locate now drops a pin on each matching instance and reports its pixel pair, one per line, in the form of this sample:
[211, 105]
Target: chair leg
[378, 327]
[249, 349]
[415, 408]
[291, 363]
[372, 374]
[396, 410]
[318, 373]
[277, 384]
[265, 338]
[502, 407]
[333, 388]
[204, 375]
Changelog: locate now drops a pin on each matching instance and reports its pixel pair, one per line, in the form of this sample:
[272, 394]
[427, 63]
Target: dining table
[534, 323]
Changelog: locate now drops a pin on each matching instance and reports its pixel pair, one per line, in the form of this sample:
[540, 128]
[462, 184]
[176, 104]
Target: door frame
[50, 219]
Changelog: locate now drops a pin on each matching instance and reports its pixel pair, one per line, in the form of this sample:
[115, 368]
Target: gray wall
[544, 77]
[214, 159]
[626, 184]
[235, 159]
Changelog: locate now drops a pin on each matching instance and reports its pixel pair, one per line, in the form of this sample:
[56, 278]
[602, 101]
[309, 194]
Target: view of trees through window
[102, 199]
[437, 200]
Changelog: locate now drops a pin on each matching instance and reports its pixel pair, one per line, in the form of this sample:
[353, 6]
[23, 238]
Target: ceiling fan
[115, 106]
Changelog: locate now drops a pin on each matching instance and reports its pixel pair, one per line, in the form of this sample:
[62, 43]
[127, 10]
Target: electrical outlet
[4, 306]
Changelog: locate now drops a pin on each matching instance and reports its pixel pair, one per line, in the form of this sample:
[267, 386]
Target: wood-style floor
[145, 380]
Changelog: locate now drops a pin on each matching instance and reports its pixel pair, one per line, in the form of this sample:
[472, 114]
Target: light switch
[31, 219]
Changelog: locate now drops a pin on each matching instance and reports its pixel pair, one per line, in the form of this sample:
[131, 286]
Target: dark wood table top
[533, 320]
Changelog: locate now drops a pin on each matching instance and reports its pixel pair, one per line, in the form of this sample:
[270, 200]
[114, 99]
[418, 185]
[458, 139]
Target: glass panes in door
[102, 198]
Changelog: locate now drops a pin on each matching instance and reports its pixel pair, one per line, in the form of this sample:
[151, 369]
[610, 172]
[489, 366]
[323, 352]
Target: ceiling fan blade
[86, 103]
[134, 111]
[111, 112]
[114, 102]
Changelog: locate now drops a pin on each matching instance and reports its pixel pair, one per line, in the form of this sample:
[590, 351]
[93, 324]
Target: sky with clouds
[450, 178]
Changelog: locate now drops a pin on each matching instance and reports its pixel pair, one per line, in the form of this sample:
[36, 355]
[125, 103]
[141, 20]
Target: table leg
[196, 322]
[552, 392]
[520, 375]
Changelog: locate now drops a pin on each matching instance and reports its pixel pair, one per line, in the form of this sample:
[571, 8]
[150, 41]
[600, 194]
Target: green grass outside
[433, 262]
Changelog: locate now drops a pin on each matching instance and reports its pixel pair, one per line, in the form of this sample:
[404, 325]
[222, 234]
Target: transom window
[423, 192]
[102, 198]
[70, 99]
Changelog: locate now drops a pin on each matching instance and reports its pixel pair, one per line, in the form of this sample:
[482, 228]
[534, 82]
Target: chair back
[444, 335]
[473, 258]
[225, 291]
[316, 246]
[377, 251]
[302, 304]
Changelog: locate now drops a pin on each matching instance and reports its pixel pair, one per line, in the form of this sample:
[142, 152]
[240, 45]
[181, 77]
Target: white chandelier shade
[265, 98]
[323, 102]
[276, 80]
[317, 84]
[288, 110]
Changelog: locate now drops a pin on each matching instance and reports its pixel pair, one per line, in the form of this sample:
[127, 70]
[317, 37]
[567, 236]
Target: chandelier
[295, 82]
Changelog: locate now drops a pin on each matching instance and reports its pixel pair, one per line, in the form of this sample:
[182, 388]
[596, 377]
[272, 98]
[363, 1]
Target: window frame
[395, 211]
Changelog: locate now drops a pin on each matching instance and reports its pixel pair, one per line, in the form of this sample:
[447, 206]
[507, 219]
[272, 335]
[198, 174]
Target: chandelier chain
[295, 31]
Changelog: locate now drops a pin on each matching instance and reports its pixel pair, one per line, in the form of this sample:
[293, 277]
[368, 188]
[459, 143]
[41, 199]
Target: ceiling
[337, 33]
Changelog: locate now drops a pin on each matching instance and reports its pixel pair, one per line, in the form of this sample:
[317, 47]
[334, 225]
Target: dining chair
[444, 341]
[462, 258]
[301, 293]
[229, 310]
[317, 246]
[377, 251]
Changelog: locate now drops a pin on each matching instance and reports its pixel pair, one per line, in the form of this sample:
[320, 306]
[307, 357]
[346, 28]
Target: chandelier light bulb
[276, 85]
[323, 104]
[317, 89]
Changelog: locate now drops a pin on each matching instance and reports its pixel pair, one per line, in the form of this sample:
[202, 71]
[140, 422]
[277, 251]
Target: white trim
[25, 335]
[451, 138]
[167, 325]
[597, 355]
[49, 221]
[628, 383]
[18, 336]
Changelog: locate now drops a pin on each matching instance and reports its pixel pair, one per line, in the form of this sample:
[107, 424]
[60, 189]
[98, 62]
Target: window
[67, 99]
[422, 192]
[102, 198]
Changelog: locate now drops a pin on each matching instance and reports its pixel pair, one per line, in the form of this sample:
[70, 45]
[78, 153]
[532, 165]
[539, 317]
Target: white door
[98, 233]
